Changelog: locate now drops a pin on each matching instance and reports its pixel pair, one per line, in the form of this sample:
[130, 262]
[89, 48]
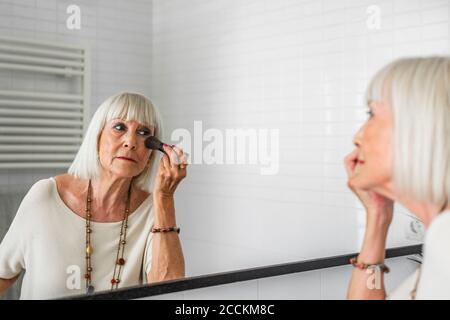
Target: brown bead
[87, 276]
[123, 242]
[89, 250]
[121, 262]
[89, 269]
[113, 281]
[88, 230]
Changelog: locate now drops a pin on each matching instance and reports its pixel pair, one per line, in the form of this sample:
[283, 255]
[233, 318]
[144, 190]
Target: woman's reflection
[110, 221]
[403, 154]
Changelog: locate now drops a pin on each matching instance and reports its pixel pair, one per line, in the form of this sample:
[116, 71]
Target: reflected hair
[418, 90]
[125, 106]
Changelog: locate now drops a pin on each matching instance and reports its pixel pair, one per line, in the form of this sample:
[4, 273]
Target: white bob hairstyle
[125, 106]
[418, 90]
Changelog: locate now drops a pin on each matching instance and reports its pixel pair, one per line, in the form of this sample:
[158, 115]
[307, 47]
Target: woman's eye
[144, 132]
[370, 113]
[121, 126]
[118, 126]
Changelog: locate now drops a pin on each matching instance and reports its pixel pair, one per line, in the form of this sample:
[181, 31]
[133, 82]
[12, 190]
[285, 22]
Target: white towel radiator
[42, 129]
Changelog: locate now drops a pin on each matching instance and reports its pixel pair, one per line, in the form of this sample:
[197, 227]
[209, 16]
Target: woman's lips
[125, 158]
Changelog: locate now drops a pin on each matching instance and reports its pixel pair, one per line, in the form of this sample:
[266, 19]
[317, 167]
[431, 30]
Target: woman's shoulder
[35, 200]
[68, 183]
[439, 230]
[40, 188]
[437, 240]
[43, 191]
[47, 183]
[437, 243]
[435, 277]
[65, 179]
[69, 189]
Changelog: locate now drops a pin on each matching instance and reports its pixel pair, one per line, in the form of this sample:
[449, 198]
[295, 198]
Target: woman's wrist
[164, 211]
[372, 254]
[374, 245]
[163, 196]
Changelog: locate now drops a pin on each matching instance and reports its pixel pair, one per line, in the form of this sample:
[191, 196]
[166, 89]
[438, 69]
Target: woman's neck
[426, 212]
[109, 194]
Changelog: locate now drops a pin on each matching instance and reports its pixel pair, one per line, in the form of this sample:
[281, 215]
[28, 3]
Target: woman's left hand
[172, 169]
[168, 260]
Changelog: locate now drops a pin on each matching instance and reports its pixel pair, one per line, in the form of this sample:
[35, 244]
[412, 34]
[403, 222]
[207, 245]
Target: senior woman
[403, 154]
[110, 221]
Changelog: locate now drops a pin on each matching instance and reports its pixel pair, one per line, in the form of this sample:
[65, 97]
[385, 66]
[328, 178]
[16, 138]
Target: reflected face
[374, 143]
[121, 147]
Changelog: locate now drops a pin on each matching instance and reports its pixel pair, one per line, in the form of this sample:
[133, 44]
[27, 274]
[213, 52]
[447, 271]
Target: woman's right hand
[379, 211]
[379, 208]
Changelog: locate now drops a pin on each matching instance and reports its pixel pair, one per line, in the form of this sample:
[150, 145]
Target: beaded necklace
[120, 261]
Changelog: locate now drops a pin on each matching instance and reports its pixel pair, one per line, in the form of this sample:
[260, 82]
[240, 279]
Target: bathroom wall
[300, 66]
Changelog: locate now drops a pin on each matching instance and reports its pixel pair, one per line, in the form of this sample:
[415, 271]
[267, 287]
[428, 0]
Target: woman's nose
[127, 145]
[358, 137]
[130, 142]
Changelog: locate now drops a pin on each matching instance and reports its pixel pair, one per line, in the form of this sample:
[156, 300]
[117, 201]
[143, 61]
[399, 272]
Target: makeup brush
[153, 143]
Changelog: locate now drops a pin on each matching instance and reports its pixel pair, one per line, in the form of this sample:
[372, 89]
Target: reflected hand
[378, 207]
[172, 169]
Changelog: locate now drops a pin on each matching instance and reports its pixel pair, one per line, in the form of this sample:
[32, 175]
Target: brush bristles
[153, 143]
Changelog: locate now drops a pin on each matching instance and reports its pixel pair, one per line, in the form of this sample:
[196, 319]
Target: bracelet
[164, 230]
[362, 266]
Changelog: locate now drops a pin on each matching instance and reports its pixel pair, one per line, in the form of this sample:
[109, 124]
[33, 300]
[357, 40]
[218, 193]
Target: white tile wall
[300, 66]
[118, 34]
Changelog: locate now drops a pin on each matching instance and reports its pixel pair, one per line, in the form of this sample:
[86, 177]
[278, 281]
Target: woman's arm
[5, 284]
[379, 212]
[365, 284]
[167, 255]
[168, 260]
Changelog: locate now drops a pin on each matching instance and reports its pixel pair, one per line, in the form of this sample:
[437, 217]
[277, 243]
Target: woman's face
[121, 147]
[374, 143]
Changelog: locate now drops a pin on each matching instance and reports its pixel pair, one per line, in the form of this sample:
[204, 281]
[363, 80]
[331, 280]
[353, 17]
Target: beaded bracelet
[362, 266]
[163, 230]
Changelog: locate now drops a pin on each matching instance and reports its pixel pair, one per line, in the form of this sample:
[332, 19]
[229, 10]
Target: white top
[434, 278]
[48, 240]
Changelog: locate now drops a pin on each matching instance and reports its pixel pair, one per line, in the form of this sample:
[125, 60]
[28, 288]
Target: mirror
[264, 96]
